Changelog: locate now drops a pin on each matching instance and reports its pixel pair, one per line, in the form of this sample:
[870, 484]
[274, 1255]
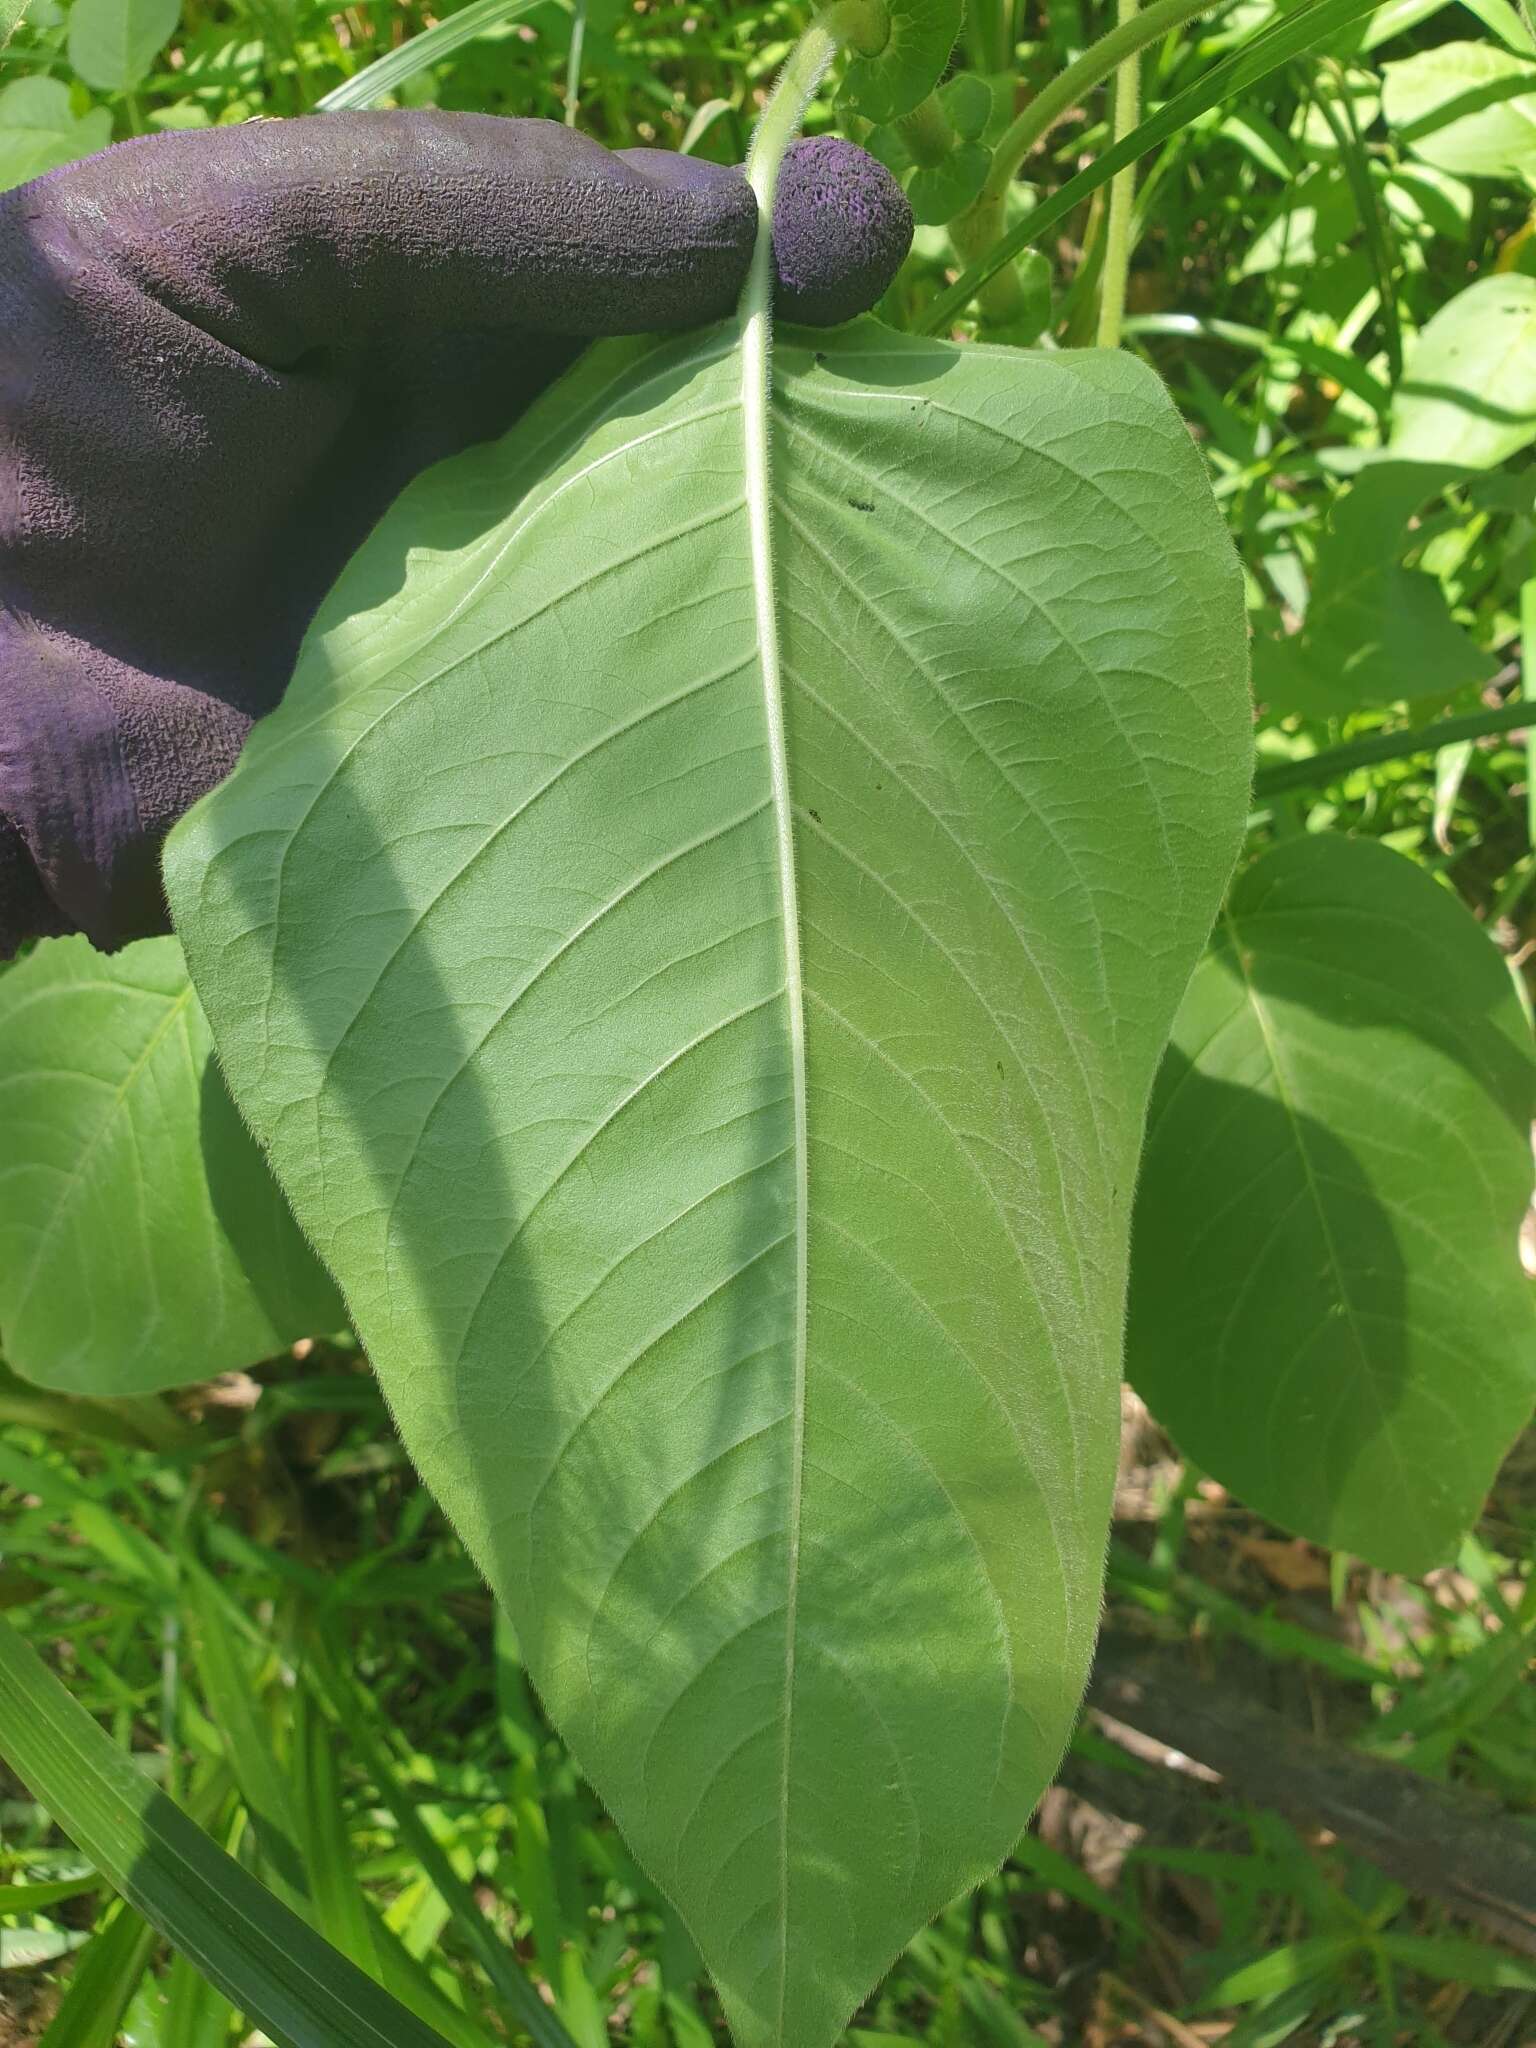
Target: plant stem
[1122, 197]
[977, 231]
[1320, 769]
[573, 63]
[1528, 692]
[1312, 23]
[928, 133]
[1128, 38]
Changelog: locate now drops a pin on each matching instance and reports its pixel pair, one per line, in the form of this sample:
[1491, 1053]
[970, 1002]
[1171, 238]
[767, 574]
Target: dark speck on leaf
[862, 504]
[817, 816]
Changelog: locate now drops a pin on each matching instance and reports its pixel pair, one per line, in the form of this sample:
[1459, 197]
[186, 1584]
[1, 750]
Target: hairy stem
[975, 232]
[928, 133]
[1070, 87]
[777, 129]
[1122, 196]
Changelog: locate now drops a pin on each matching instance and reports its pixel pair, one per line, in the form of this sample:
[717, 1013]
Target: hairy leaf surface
[1328, 1309]
[143, 1243]
[782, 1419]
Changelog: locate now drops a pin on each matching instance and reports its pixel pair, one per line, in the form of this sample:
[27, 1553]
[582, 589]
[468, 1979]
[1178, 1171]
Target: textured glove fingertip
[841, 231]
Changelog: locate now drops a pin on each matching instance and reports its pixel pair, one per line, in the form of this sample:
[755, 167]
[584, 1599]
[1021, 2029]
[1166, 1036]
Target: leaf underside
[1328, 1308]
[489, 924]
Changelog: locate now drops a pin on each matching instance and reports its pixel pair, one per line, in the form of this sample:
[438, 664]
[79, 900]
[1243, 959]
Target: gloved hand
[223, 353]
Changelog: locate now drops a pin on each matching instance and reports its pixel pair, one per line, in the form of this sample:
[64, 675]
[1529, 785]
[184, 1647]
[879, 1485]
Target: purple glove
[223, 353]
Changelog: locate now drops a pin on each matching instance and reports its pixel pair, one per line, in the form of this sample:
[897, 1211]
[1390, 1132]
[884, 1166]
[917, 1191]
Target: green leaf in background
[102, 1983]
[113, 43]
[922, 36]
[272, 1966]
[143, 1243]
[196, 2015]
[1328, 1308]
[728, 1152]
[1469, 108]
[39, 129]
[1375, 632]
[1469, 386]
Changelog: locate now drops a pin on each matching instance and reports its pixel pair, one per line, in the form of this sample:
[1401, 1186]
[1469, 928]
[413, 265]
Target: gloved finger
[281, 237]
[97, 761]
[841, 224]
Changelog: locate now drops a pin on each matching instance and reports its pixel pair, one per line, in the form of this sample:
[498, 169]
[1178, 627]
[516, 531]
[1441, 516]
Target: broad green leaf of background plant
[1469, 108]
[39, 129]
[1469, 385]
[143, 1243]
[922, 36]
[113, 43]
[1328, 1307]
[745, 1262]
[1375, 631]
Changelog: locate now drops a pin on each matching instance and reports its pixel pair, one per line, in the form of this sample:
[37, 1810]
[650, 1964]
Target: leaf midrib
[757, 421]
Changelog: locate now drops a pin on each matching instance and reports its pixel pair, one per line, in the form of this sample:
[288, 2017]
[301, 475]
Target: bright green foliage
[922, 35]
[967, 102]
[777, 1403]
[943, 164]
[1375, 632]
[142, 1240]
[271, 1963]
[39, 129]
[1469, 108]
[1469, 387]
[1328, 1308]
[113, 43]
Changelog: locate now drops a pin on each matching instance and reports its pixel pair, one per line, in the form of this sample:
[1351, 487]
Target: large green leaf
[905, 71]
[143, 1243]
[721, 1103]
[39, 129]
[1468, 393]
[1466, 107]
[1328, 1309]
[113, 43]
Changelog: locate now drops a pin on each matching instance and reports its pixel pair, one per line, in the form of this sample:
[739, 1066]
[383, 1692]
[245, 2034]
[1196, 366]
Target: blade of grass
[109, 1971]
[1318, 770]
[196, 2016]
[230, 1692]
[1234, 74]
[1284, 354]
[37, 1898]
[266, 1961]
[340, 1699]
[377, 80]
[1337, 108]
[1453, 1960]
